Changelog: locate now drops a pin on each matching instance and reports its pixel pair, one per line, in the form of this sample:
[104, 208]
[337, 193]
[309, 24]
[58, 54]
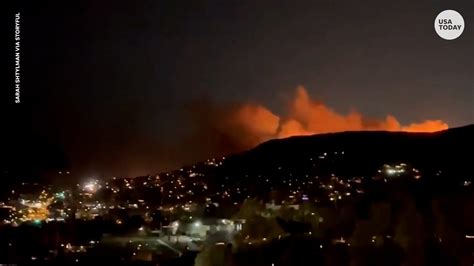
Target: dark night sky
[112, 82]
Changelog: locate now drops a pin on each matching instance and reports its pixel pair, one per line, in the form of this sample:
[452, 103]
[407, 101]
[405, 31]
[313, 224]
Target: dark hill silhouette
[360, 153]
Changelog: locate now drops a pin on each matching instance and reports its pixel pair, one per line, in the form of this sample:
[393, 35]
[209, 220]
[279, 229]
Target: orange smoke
[307, 116]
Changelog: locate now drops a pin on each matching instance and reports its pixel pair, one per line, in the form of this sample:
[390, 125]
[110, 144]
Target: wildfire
[227, 128]
[307, 116]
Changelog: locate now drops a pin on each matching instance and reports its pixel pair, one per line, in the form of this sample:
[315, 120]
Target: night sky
[132, 87]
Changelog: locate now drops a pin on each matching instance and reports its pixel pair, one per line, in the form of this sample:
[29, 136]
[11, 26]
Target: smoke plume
[244, 126]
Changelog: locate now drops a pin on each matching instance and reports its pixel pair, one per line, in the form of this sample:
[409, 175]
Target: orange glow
[258, 120]
[306, 117]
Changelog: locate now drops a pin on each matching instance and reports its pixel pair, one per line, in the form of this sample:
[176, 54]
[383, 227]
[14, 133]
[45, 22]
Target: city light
[91, 186]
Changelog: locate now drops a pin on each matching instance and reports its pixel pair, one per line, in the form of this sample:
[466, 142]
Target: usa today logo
[449, 24]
